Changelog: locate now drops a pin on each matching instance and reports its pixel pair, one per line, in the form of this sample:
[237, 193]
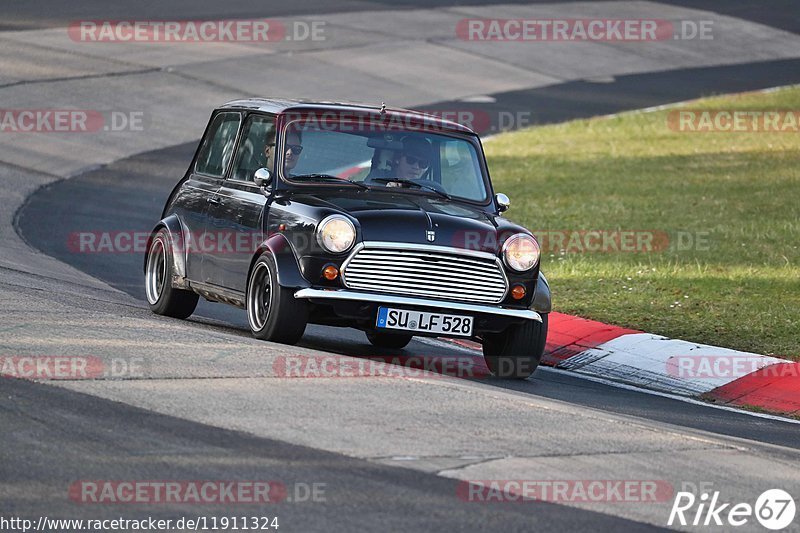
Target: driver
[413, 161]
[294, 147]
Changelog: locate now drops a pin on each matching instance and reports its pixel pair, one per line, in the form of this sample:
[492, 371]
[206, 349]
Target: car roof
[284, 105]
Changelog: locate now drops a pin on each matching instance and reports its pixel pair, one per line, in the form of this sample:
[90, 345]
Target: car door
[237, 214]
[205, 178]
[213, 159]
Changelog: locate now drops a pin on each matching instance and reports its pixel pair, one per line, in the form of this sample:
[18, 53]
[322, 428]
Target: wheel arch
[175, 231]
[288, 268]
[542, 299]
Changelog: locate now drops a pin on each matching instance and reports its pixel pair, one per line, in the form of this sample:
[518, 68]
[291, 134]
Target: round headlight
[521, 252]
[336, 234]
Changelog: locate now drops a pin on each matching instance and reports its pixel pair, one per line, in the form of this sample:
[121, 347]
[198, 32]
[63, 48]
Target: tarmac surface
[208, 402]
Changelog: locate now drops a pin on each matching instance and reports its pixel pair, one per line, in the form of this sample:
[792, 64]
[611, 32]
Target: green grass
[739, 191]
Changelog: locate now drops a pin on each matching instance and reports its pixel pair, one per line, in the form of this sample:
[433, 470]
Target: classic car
[379, 219]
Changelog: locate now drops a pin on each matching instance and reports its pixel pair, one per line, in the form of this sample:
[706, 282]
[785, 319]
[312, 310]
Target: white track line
[624, 386]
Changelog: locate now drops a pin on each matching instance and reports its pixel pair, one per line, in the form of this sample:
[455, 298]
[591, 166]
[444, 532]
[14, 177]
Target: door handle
[214, 200]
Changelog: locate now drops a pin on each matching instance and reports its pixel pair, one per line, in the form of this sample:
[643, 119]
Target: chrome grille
[431, 273]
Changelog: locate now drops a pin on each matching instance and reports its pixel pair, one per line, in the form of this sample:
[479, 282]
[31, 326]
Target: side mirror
[503, 203]
[262, 178]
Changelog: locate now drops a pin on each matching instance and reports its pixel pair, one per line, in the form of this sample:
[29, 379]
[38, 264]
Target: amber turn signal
[330, 272]
[518, 292]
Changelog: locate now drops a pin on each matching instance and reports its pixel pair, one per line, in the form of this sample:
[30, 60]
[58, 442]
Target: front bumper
[389, 299]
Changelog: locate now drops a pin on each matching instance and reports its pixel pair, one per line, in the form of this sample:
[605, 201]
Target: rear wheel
[388, 340]
[162, 297]
[516, 352]
[274, 314]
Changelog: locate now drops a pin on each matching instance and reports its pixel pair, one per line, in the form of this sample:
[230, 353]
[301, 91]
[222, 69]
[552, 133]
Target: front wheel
[163, 298]
[274, 314]
[516, 352]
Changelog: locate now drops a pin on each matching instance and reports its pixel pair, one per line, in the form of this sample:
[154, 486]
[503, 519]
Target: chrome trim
[425, 247]
[455, 254]
[262, 177]
[341, 294]
[365, 264]
[156, 275]
[435, 279]
[503, 202]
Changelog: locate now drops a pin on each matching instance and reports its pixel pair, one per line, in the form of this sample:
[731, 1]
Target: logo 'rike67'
[774, 509]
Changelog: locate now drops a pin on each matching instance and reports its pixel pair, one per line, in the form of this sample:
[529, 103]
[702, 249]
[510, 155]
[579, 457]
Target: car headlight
[520, 252]
[336, 234]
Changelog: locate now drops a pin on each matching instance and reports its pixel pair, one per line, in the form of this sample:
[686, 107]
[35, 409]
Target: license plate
[389, 318]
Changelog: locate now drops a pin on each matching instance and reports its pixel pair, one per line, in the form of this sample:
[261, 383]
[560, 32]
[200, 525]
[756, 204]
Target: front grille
[433, 274]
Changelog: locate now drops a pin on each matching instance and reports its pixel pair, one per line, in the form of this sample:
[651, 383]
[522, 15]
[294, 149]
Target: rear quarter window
[217, 149]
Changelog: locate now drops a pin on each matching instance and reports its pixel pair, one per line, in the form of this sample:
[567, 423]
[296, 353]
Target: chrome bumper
[388, 299]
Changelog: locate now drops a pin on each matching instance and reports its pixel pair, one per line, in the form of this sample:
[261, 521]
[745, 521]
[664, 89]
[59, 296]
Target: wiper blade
[417, 184]
[318, 176]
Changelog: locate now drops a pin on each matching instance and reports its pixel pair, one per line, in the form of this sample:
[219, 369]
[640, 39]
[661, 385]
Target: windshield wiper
[417, 184]
[317, 176]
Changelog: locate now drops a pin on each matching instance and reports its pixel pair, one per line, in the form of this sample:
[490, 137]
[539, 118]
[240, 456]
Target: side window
[217, 147]
[259, 131]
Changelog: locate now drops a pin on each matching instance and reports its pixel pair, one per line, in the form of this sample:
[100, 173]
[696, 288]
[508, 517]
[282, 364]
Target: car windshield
[412, 161]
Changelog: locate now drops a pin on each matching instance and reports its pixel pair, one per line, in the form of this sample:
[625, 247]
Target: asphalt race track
[210, 404]
[129, 186]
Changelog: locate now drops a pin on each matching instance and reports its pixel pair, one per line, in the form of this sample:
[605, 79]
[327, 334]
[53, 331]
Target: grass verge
[712, 220]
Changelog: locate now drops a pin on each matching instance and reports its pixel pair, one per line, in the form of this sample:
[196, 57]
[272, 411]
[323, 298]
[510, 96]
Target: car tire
[516, 352]
[395, 341]
[163, 298]
[274, 314]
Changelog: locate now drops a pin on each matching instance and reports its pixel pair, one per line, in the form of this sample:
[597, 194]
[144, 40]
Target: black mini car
[346, 215]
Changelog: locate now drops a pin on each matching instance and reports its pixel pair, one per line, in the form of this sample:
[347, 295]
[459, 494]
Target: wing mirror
[262, 178]
[503, 203]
